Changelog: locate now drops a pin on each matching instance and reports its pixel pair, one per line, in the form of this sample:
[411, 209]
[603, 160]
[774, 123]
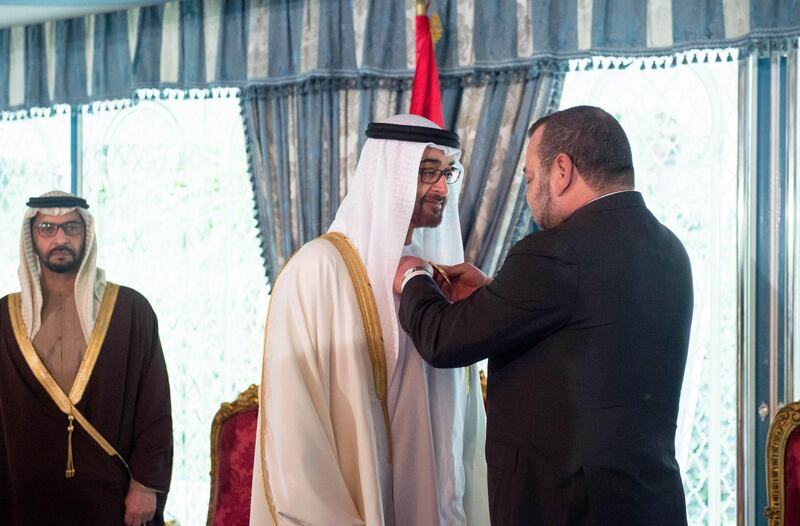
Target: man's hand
[140, 506]
[461, 280]
[406, 262]
[464, 278]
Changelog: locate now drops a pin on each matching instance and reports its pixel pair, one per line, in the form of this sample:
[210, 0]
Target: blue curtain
[233, 43]
[304, 143]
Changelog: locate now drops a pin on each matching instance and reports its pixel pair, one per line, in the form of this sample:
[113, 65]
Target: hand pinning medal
[440, 271]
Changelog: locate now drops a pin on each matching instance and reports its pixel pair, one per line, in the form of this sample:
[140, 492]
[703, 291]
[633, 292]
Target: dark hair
[593, 139]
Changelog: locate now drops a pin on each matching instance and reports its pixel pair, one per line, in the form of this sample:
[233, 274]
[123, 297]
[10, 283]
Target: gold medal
[441, 271]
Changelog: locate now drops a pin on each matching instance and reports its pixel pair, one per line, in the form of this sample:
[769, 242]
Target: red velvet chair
[233, 439]
[783, 467]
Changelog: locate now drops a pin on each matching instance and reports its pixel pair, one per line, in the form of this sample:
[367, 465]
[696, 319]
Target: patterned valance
[206, 43]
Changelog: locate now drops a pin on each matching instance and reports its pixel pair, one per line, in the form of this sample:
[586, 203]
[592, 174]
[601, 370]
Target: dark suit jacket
[586, 328]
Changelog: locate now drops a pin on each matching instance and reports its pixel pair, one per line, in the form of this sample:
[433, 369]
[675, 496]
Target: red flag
[426, 97]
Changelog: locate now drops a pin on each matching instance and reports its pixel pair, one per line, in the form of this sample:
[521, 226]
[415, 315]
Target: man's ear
[563, 175]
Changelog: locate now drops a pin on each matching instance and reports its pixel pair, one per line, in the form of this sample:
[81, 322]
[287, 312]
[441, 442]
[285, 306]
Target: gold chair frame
[247, 399]
[785, 422]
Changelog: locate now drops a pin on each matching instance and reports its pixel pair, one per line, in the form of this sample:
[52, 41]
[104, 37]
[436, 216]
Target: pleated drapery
[198, 44]
[304, 145]
[313, 73]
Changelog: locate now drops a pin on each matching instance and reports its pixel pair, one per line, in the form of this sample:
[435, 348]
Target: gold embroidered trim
[31, 358]
[95, 343]
[263, 419]
[370, 318]
[146, 489]
[65, 403]
[374, 336]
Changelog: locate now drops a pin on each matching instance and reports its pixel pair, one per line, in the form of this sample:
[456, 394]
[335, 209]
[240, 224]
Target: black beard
[66, 267]
[422, 219]
[63, 268]
[428, 220]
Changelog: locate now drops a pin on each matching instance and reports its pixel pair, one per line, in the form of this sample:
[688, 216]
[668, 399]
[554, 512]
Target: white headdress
[90, 282]
[376, 212]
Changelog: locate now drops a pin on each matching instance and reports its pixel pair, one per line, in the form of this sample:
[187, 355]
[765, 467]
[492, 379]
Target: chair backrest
[783, 467]
[233, 439]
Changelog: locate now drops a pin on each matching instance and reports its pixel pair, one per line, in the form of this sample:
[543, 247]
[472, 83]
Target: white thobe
[325, 448]
[438, 436]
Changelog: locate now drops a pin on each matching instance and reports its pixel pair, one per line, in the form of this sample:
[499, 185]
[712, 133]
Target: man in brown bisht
[85, 419]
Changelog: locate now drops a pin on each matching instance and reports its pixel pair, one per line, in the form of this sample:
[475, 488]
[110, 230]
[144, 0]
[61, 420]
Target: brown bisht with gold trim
[118, 410]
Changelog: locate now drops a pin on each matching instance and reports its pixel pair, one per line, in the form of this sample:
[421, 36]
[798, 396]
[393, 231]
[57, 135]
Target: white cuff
[413, 272]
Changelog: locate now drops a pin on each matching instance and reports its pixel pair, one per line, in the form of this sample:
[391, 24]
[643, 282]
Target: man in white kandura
[354, 428]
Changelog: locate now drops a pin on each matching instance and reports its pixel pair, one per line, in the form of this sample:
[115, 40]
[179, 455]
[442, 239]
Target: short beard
[421, 219]
[63, 268]
[545, 216]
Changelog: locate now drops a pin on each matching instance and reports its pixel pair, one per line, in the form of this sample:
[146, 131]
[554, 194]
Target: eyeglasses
[70, 228]
[432, 176]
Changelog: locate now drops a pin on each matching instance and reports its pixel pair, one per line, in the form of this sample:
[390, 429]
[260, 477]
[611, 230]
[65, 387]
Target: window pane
[682, 126]
[34, 159]
[168, 184]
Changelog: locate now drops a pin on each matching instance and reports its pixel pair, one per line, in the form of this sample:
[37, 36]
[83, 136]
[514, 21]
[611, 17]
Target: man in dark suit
[586, 328]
